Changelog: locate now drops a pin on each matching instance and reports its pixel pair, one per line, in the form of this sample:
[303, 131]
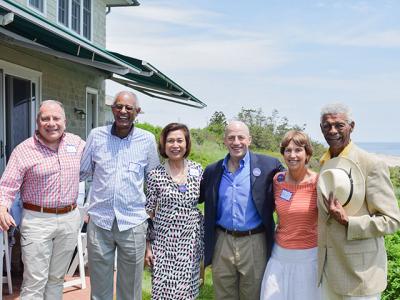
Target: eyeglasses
[121, 107]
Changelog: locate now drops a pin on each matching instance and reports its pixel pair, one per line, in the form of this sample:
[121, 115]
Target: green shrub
[392, 243]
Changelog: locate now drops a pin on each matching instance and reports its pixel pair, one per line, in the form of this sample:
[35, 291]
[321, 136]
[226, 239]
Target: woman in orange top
[291, 273]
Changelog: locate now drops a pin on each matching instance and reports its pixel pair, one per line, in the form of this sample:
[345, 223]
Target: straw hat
[344, 179]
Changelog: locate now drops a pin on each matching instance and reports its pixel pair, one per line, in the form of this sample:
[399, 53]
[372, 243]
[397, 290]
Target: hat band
[351, 187]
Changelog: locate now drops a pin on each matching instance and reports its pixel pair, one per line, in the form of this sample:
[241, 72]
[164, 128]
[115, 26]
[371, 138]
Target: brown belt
[236, 233]
[50, 210]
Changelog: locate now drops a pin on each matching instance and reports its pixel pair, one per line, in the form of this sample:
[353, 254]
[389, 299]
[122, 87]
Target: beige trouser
[238, 266]
[328, 293]
[47, 244]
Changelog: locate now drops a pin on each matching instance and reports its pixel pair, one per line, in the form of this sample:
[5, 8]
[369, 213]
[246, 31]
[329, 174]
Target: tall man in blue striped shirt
[239, 227]
[118, 157]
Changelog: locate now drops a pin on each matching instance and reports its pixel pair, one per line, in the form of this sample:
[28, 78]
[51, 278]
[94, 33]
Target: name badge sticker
[194, 172]
[182, 188]
[286, 195]
[134, 167]
[71, 149]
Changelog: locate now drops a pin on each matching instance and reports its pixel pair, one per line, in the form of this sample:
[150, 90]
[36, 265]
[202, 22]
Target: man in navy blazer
[239, 226]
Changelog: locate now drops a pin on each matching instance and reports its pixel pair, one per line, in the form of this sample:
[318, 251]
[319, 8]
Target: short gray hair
[133, 95]
[54, 102]
[336, 108]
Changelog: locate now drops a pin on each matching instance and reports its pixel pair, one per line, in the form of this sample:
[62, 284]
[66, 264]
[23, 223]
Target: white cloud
[171, 14]
[381, 39]
[150, 34]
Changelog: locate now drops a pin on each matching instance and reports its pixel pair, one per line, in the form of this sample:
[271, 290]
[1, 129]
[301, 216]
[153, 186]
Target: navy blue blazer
[261, 190]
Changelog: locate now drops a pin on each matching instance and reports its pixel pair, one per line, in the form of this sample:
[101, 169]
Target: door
[18, 106]
[19, 98]
[91, 109]
[2, 131]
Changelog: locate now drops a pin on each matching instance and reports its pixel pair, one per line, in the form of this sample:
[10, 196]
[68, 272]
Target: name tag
[194, 172]
[134, 167]
[286, 195]
[71, 149]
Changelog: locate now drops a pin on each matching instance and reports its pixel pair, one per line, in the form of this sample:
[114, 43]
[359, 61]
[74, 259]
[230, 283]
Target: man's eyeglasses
[121, 107]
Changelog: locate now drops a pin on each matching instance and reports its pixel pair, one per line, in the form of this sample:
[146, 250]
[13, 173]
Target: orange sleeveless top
[296, 206]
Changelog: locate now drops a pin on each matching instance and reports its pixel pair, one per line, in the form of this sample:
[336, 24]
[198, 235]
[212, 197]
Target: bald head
[237, 125]
[237, 140]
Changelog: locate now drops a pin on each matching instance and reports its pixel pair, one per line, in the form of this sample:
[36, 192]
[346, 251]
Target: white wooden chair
[7, 254]
[80, 259]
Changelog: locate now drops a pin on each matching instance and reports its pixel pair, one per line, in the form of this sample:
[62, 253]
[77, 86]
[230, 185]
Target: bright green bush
[392, 243]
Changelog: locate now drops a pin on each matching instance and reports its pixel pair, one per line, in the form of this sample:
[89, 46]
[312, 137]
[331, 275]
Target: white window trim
[43, 13]
[57, 16]
[80, 16]
[29, 74]
[69, 27]
[91, 20]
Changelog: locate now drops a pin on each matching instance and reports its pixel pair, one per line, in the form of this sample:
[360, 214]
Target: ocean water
[381, 148]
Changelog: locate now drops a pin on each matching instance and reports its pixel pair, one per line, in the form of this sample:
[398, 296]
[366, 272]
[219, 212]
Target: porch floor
[70, 293]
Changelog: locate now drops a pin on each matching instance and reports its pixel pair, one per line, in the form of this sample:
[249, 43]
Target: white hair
[336, 108]
[133, 95]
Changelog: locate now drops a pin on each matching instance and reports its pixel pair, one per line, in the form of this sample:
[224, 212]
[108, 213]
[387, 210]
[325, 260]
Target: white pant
[47, 244]
[328, 293]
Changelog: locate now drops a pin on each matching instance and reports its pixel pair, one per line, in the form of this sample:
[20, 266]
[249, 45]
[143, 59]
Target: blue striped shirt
[118, 168]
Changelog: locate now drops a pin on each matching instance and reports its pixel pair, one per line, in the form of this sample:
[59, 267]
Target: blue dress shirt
[236, 209]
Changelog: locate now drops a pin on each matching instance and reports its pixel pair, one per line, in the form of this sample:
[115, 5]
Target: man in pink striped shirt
[45, 170]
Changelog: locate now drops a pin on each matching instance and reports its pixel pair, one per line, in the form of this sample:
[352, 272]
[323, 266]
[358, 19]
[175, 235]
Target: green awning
[31, 30]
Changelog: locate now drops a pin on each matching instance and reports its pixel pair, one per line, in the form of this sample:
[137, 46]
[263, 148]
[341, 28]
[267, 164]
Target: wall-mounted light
[80, 113]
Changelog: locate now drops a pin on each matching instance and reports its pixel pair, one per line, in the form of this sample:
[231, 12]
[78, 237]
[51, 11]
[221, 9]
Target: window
[76, 15]
[37, 4]
[87, 18]
[63, 12]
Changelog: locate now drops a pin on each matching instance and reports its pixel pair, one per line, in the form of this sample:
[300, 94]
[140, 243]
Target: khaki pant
[238, 266]
[328, 293]
[47, 244]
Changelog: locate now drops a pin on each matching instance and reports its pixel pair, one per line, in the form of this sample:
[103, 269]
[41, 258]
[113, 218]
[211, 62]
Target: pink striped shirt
[43, 176]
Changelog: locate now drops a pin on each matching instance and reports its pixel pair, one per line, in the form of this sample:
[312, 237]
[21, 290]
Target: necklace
[178, 175]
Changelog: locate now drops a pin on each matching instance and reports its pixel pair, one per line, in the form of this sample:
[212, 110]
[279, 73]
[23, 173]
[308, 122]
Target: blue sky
[293, 56]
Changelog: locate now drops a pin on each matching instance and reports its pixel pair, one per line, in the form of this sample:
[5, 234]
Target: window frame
[36, 9]
[69, 15]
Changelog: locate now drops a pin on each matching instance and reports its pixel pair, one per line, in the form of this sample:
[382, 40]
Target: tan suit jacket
[353, 258]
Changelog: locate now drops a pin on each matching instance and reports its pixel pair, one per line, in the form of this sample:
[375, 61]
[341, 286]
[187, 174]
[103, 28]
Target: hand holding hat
[341, 188]
[336, 210]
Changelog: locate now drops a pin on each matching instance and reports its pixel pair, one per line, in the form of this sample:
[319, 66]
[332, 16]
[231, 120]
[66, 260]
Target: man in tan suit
[352, 257]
